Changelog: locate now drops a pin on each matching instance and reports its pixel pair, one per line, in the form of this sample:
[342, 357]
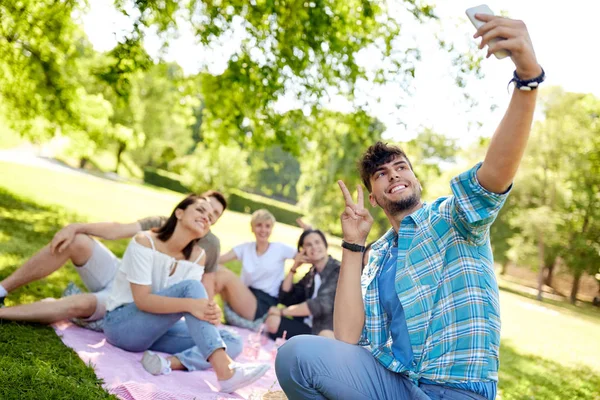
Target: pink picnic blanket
[125, 377]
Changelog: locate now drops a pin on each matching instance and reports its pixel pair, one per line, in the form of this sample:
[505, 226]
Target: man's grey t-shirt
[210, 243]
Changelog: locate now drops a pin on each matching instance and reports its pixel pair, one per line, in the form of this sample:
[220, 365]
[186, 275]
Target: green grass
[96, 199]
[550, 350]
[529, 377]
[35, 364]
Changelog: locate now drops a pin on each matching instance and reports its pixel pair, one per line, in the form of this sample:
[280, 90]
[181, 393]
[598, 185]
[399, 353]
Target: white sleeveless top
[147, 266]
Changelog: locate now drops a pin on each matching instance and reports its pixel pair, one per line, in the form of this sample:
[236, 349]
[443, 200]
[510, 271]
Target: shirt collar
[417, 217]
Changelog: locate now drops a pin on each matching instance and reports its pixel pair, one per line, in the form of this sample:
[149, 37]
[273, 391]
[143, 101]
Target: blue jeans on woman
[192, 341]
[314, 367]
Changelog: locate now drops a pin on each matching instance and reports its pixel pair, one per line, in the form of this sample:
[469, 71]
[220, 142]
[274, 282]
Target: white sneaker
[156, 364]
[243, 375]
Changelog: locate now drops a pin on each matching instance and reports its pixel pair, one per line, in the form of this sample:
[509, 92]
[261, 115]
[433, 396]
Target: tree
[274, 173]
[557, 207]
[337, 142]
[125, 139]
[39, 64]
[583, 208]
[306, 49]
[218, 168]
[167, 102]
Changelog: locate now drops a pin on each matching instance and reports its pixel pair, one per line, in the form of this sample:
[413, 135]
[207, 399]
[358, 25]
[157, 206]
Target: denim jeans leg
[313, 367]
[131, 329]
[439, 392]
[178, 342]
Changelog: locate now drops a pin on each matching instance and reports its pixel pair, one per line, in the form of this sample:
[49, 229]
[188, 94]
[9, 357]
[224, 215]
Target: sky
[562, 34]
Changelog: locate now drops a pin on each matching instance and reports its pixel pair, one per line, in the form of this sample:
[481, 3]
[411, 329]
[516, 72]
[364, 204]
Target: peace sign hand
[356, 219]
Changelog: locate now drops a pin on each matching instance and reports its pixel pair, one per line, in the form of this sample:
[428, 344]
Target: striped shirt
[446, 284]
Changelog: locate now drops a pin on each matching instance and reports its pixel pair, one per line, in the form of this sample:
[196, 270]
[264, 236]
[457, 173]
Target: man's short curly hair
[378, 154]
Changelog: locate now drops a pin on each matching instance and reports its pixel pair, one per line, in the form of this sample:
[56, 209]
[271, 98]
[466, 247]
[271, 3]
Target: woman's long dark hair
[308, 232]
[165, 232]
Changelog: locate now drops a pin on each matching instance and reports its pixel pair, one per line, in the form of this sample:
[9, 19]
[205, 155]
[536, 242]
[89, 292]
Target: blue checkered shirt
[446, 284]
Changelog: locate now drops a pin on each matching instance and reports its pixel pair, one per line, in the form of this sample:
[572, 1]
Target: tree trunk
[120, 151]
[542, 265]
[504, 267]
[549, 272]
[83, 162]
[575, 288]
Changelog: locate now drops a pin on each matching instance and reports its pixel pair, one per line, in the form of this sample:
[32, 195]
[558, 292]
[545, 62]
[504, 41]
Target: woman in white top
[157, 285]
[251, 295]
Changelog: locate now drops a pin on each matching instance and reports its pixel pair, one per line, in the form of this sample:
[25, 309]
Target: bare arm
[229, 256]
[105, 230]
[208, 280]
[155, 304]
[146, 301]
[288, 282]
[109, 230]
[303, 225]
[510, 139]
[349, 311]
[297, 310]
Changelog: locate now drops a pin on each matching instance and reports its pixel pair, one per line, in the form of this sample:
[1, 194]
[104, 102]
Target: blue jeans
[192, 341]
[314, 367]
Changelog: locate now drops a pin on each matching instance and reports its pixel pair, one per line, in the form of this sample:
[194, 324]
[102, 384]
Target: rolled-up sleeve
[295, 296]
[475, 208]
[151, 222]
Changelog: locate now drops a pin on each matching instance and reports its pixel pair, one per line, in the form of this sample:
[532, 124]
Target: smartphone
[484, 9]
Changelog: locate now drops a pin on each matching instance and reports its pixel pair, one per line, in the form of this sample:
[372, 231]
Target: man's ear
[372, 200]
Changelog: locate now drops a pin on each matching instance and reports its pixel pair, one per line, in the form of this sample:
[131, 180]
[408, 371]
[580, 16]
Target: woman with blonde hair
[257, 289]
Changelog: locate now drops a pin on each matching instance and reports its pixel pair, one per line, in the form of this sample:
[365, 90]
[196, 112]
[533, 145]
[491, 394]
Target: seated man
[426, 309]
[310, 300]
[96, 265]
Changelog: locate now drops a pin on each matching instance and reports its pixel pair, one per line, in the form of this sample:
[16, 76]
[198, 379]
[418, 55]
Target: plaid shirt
[446, 284]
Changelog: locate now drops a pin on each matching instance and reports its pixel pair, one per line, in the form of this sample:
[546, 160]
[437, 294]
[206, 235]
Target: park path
[38, 157]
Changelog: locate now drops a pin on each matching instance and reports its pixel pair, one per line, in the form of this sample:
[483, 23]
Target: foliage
[338, 141]
[167, 102]
[165, 180]
[248, 203]
[556, 205]
[298, 47]
[274, 173]
[217, 167]
[39, 65]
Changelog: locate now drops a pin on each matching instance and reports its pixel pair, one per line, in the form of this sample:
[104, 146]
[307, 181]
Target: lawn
[549, 350]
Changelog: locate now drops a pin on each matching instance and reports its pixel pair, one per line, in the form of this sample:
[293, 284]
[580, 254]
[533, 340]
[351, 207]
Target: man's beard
[400, 206]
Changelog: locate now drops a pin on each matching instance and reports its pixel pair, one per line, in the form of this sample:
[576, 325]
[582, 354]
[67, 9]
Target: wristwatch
[357, 248]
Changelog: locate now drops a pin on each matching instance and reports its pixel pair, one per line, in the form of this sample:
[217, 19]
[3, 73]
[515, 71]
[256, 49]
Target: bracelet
[528, 84]
[357, 248]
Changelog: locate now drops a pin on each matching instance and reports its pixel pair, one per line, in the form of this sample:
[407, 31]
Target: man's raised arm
[510, 139]
[349, 310]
